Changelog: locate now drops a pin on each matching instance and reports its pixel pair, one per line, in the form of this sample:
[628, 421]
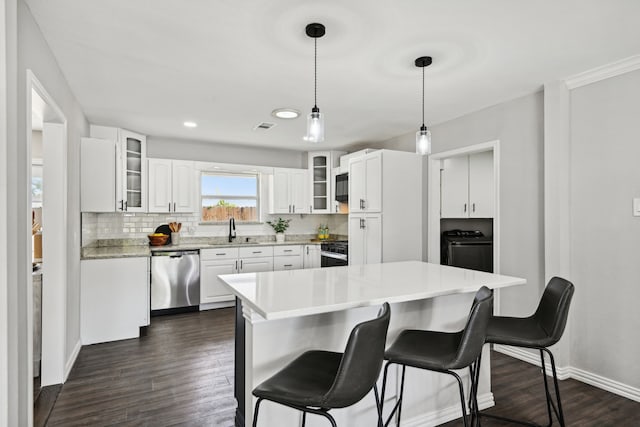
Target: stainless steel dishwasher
[175, 279]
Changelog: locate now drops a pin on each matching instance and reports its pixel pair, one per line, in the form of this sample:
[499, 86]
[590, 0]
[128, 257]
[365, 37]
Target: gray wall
[518, 124]
[34, 53]
[172, 148]
[605, 176]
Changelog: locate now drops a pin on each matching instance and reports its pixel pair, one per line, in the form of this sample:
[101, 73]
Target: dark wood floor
[181, 373]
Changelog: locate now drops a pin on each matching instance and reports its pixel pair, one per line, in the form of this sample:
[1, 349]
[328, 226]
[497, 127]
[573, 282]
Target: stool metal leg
[398, 405]
[304, 418]
[404, 368]
[462, 399]
[255, 413]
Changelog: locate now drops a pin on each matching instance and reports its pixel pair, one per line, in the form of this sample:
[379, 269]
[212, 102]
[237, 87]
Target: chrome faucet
[232, 229]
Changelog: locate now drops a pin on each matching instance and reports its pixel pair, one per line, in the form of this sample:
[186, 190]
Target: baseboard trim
[612, 386]
[607, 384]
[71, 361]
[444, 415]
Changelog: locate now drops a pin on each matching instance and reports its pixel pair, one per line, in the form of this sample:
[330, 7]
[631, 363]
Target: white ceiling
[149, 65]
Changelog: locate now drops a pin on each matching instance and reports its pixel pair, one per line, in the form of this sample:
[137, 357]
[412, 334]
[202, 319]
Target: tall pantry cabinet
[385, 207]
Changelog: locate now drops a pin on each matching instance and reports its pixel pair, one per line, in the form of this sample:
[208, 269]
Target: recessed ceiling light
[285, 113]
[190, 124]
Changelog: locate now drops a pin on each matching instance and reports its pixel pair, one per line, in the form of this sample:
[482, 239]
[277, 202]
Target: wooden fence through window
[223, 213]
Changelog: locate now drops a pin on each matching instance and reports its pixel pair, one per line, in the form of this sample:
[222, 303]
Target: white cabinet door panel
[373, 183]
[357, 254]
[312, 257]
[481, 187]
[298, 185]
[454, 187]
[98, 175]
[160, 185]
[256, 265]
[211, 288]
[357, 180]
[280, 202]
[294, 262]
[373, 238]
[183, 186]
[114, 299]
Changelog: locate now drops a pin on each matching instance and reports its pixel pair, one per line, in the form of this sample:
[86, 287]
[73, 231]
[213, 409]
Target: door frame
[54, 241]
[433, 211]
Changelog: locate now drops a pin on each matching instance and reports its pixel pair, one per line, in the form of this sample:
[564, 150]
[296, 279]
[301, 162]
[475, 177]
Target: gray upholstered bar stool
[442, 352]
[539, 331]
[318, 381]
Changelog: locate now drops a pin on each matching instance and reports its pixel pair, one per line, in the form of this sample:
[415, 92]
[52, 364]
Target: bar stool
[442, 351]
[318, 381]
[540, 331]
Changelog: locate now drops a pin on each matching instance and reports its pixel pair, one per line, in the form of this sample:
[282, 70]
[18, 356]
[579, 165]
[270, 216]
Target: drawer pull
[256, 252]
[223, 253]
[288, 250]
[288, 265]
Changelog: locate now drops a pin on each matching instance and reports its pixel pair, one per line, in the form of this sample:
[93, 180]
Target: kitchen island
[281, 314]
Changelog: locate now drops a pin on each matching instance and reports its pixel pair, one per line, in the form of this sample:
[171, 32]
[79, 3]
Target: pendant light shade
[423, 140]
[315, 119]
[423, 136]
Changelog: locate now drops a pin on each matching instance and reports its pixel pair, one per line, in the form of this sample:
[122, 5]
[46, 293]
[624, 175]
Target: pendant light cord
[315, 72]
[423, 96]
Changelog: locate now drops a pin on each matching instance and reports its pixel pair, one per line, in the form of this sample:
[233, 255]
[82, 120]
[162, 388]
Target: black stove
[334, 253]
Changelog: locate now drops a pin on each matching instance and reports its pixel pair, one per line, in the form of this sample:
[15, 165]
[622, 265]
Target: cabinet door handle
[361, 203]
[169, 206]
[473, 206]
[125, 205]
[364, 223]
[174, 206]
[240, 264]
[122, 205]
[289, 208]
[465, 208]
[307, 250]
[293, 209]
[336, 208]
[310, 208]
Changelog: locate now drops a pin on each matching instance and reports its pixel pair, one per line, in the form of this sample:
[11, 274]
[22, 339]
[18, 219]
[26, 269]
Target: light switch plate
[636, 207]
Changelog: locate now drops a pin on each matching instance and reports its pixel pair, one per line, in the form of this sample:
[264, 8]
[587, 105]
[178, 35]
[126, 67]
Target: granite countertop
[131, 248]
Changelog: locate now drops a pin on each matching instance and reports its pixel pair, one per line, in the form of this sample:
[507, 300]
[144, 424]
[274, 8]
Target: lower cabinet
[312, 256]
[365, 239]
[212, 263]
[114, 299]
[287, 257]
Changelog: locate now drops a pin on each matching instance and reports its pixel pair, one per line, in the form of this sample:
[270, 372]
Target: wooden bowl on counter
[158, 239]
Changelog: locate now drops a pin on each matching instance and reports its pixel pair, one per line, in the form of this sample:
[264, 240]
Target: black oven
[334, 254]
[342, 187]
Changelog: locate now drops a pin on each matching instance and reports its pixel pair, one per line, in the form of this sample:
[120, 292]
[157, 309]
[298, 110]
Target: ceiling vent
[264, 126]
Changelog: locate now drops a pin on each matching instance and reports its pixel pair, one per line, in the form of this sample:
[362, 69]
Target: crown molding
[604, 72]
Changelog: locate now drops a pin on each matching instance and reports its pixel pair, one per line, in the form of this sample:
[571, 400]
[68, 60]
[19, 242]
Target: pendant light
[315, 119]
[423, 136]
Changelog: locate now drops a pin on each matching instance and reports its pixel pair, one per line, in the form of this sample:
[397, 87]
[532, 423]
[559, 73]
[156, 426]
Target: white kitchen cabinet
[312, 256]
[171, 186]
[288, 191]
[113, 171]
[467, 186]
[365, 238]
[114, 299]
[385, 215]
[365, 183]
[320, 167]
[212, 263]
[287, 257]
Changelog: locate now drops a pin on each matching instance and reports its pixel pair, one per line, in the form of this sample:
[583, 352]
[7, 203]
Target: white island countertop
[294, 293]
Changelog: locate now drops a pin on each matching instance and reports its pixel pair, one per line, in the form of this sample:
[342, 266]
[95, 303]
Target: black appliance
[342, 187]
[467, 249]
[334, 254]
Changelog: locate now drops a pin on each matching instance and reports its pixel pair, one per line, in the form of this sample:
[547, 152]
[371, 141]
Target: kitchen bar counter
[281, 314]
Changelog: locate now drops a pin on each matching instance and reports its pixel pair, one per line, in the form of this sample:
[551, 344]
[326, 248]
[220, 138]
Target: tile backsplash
[100, 226]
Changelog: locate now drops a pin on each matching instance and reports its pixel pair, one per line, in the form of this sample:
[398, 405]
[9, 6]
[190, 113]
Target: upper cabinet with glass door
[113, 171]
[134, 168]
[321, 180]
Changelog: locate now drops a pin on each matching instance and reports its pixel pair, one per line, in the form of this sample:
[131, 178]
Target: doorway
[46, 210]
[435, 209]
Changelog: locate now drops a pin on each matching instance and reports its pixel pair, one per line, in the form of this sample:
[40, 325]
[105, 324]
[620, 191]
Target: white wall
[518, 126]
[33, 53]
[605, 176]
[171, 148]
[8, 360]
